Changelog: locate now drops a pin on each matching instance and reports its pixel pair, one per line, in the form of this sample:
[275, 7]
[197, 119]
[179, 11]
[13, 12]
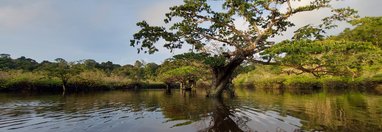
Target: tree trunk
[64, 84]
[222, 77]
[168, 88]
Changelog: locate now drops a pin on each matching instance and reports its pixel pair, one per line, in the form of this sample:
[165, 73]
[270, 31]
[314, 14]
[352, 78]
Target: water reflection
[222, 119]
[157, 110]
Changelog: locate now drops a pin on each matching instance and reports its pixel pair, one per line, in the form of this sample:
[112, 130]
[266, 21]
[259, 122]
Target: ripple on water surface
[154, 110]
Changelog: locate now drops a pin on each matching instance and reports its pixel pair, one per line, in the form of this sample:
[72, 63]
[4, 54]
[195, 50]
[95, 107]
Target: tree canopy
[212, 31]
[367, 29]
[181, 74]
[198, 24]
[346, 54]
[327, 57]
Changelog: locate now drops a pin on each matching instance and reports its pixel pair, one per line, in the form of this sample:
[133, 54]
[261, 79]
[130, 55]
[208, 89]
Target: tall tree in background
[61, 69]
[138, 73]
[213, 31]
[108, 67]
[26, 64]
[150, 70]
[6, 62]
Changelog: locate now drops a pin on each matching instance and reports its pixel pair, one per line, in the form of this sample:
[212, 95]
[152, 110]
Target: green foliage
[309, 32]
[128, 71]
[90, 64]
[85, 74]
[20, 79]
[191, 58]
[22, 63]
[139, 71]
[181, 74]
[6, 62]
[328, 57]
[261, 79]
[99, 78]
[184, 67]
[368, 29]
[212, 31]
[62, 70]
[302, 82]
[150, 70]
[260, 73]
[108, 67]
[307, 82]
[349, 60]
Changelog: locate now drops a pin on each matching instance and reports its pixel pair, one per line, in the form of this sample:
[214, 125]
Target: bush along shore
[18, 81]
[277, 80]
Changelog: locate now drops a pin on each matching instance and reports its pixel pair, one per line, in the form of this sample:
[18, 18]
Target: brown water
[155, 110]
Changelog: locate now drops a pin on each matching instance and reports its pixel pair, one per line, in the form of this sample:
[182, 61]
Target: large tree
[213, 31]
[61, 69]
[6, 62]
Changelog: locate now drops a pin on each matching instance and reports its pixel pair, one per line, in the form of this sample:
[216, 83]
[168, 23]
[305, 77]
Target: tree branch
[233, 28]
[221, 40]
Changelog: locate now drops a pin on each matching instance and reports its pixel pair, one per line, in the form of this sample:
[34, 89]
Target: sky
[102, 29]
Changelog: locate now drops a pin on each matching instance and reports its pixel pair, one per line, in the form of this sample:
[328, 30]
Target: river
[159, 111]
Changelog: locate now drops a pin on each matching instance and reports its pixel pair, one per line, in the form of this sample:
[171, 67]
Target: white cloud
[369, 8]
[18, 16]
[155, 14]
[101, 29]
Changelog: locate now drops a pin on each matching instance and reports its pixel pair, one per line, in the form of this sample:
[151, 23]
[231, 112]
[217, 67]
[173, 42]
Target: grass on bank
[275, 77]
[17, 80]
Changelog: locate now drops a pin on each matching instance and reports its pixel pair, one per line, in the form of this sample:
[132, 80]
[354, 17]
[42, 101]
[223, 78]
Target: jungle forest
[228, 78]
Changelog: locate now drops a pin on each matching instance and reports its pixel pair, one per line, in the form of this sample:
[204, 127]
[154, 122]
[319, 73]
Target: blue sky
[101, 29]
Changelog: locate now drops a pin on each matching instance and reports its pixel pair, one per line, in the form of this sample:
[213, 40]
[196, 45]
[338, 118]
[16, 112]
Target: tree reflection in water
[223, 119]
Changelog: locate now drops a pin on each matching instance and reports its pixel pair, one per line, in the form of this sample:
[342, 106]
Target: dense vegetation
[185, 70]
[27, 74]
[212, 31]
[351, 59]
[275, 78]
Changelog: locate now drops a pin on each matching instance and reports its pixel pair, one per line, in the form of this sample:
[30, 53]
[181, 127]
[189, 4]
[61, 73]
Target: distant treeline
[350, 59]
[60, 75]
[140, 69]
[184, 70]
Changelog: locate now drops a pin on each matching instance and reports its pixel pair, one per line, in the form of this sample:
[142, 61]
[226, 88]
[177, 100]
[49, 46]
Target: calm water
[154, 110]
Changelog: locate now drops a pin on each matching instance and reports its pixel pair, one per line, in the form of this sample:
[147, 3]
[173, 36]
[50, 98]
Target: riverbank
[268, 77]
[38, 82]
[263, 77]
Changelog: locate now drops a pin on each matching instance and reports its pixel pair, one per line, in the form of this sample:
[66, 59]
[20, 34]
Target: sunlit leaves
[368, 29]
[181, 74]
[326, 57]
[309, 32]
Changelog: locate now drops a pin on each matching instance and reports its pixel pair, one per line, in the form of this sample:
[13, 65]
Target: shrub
[302, 83]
